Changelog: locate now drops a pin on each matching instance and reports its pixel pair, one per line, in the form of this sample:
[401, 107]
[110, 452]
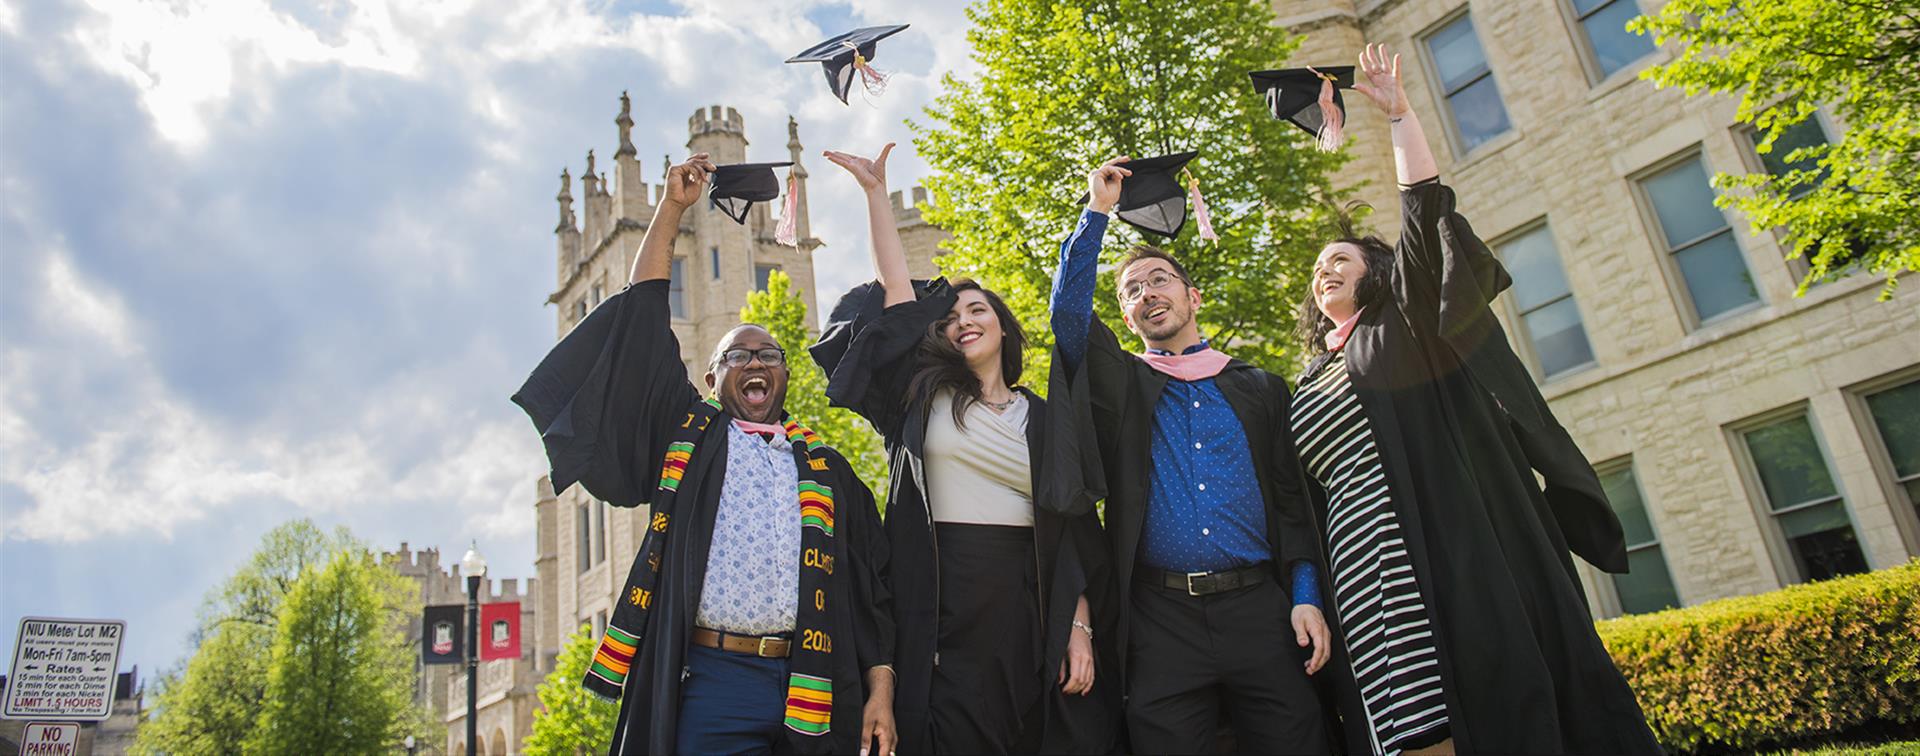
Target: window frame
[677, 284]
[583, 539]
[1906, 512]
[713, 257]
[1518, 316]
[1611, 604]
[1583, 43]
[759, 283]
[1451, 125]
[1680, 290]
[1748, 137]
[1779, 551]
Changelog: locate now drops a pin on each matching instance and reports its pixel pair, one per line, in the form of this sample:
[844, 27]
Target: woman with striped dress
[1461, 623]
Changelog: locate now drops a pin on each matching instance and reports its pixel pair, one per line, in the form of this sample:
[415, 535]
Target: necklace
[1000, 406]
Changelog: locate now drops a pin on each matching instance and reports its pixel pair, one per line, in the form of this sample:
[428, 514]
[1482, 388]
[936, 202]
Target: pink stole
[1338, 338]
[1193, 366]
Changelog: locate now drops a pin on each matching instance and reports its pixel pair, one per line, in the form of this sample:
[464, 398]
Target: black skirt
[987, 680]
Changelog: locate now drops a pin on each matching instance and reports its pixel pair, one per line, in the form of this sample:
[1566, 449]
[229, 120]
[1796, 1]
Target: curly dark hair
[942, 366]
[1312, 326]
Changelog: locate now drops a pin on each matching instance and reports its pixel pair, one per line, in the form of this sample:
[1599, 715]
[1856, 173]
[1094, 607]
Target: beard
[1175, 321]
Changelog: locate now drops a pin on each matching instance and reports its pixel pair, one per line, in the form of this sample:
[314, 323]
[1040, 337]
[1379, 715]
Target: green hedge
[1796, 664]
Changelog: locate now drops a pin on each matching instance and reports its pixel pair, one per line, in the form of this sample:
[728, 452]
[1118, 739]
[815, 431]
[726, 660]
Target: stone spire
[625, 122]
[566, 202]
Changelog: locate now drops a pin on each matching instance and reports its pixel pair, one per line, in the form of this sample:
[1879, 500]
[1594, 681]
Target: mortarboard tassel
[873, 79]
[788, 231]
[1200, 214]
[1331, 118]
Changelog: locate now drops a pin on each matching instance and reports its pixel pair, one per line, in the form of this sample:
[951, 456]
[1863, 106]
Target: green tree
[1065, 85]
[341, 678]
[212, 703]
[781, 311]
[1846, 205]
[571, 720]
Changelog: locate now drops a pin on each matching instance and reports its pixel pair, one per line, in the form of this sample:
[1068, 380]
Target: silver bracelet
[1085, 628]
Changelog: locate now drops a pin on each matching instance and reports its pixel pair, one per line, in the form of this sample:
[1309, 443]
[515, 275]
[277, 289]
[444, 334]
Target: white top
[982, 474]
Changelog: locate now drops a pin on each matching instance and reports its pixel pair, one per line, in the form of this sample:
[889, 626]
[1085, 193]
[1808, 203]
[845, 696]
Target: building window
[677, 288]
[1467, 83]
[579, 310]
[1807, 133]
[583, 538]
[1698, 240]
[1896, 413]
[599, 295]
[761, 274]
[1604, 23]
[713, 255]
[1800, 495]
[1647, 586]
[1548, 316]
[599, 532]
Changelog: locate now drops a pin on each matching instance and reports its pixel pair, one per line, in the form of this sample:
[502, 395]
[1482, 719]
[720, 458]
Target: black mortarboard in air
[736, 187]
[1153, 199]
[838, 55]
[1294, 94]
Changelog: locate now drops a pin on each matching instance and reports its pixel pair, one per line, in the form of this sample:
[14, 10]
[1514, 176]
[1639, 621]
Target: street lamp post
[474, 567]
[409, 744]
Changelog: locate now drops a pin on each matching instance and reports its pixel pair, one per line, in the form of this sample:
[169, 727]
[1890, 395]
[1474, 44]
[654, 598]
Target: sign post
[64, 669]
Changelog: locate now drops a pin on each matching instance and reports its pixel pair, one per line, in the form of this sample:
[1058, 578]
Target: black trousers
[1195, 663]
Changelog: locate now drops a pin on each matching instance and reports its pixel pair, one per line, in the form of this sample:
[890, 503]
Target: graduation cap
[736, 187]
[1153, 199]
[848, 55]
[1294, 94]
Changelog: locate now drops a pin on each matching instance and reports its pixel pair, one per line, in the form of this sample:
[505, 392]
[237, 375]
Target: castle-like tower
[507, 688]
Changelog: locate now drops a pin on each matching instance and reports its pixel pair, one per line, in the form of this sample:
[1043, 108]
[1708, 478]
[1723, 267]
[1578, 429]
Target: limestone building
[507, 686]
[1749, 438]
[585, 546]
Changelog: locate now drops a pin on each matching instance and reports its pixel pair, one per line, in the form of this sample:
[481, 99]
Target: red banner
[500, 631]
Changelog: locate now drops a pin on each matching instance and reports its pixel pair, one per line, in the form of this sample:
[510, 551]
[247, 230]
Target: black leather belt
[1205, 583]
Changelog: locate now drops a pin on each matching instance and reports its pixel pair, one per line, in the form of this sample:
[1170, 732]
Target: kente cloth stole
[809, 708]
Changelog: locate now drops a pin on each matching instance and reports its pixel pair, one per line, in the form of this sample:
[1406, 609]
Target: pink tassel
[788, 231]
[1200, 214]
[872, 78]
[1331, 120]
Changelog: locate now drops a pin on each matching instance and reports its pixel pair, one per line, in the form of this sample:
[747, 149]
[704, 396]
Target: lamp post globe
[473, 565]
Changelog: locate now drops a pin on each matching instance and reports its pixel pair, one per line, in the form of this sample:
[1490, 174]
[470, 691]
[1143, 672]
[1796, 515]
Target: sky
[266, 260]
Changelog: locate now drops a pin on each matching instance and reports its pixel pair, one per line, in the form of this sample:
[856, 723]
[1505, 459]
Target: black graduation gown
[868, 354]
[1461, 428]
[607, 401]
[1100, 433]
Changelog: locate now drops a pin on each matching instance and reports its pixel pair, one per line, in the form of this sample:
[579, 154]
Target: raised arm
[1412, 157]
[1071, 304]
[889, 255]
[685, 182]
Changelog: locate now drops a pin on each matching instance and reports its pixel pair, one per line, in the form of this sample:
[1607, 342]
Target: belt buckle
[762, 651]
[1191, 591]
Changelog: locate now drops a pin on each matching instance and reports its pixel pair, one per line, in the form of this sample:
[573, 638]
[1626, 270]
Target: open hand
[870, 172]
[1103, 184]
[1382, 80]
[1310, 627]
[687, 180]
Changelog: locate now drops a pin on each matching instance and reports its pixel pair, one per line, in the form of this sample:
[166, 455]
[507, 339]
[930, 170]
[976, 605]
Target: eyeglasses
[1157, 280]
[770, 357]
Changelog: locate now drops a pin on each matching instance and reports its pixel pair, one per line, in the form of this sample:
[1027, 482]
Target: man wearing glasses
[1212, 536]
[753, 619]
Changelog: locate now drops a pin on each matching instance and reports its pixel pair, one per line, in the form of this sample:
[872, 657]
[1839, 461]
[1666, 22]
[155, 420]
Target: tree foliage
[212, 703]
[1065, 85]
[341, 676]
[780, 310]
[1847, 205]
[571, 720]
